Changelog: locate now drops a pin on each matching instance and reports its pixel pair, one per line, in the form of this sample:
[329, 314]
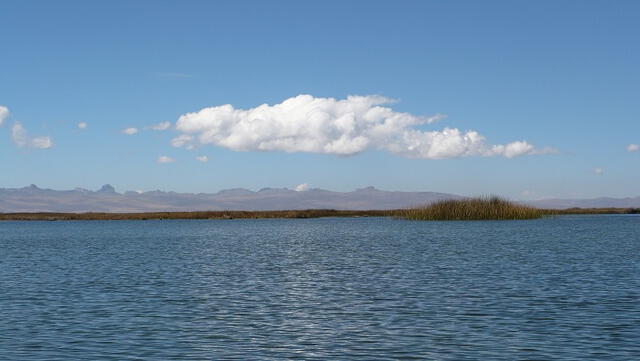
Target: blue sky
[562, 76]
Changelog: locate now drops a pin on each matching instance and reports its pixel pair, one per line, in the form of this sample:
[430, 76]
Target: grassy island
[481, 208]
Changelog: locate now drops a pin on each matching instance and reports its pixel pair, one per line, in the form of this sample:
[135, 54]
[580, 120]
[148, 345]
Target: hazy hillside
[106, 199]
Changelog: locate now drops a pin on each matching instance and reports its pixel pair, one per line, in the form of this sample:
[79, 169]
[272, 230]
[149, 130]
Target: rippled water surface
[363, 289]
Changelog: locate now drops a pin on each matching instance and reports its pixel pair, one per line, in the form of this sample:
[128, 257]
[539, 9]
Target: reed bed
[475, 208]
[481, 208]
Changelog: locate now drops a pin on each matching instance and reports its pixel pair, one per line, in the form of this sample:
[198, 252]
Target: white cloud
[633, 148]
[4, 113]
[165, 159]
[129, 131]
[202, 158]
[82, 125]
[302, 187]
[330, 126]
[598, 171]
[181, 140]
[22, 138]
[160, 126]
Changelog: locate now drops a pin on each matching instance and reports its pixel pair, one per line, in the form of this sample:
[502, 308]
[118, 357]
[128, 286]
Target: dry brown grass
[481, 208]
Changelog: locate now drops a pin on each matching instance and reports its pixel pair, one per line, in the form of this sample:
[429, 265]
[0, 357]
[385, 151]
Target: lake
[564, 288]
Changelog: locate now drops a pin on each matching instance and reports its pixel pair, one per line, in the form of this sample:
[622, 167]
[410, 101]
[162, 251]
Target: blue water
[566, 288]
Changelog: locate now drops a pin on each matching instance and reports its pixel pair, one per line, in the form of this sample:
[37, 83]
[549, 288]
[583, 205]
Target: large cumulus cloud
[330, 126]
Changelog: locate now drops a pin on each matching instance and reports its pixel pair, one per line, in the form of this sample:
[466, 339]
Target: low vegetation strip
[308, 213]
[481, 208]
[468, 209]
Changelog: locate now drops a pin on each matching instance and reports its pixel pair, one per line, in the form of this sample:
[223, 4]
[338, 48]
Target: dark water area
[564, 288]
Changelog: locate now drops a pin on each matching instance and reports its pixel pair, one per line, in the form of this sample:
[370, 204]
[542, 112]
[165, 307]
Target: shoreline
[143, 216]
[283, 214]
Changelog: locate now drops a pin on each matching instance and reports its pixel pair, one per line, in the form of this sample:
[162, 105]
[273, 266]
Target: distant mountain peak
[107, 188]
[235, 191]
[367, 189]
[31, 188]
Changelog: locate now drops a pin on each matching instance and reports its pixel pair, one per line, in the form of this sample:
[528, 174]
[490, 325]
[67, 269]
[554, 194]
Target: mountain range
[107, 199]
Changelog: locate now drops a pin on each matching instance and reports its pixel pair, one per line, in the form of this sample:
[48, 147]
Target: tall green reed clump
[481, 208]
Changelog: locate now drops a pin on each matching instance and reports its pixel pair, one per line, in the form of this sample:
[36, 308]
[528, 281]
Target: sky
[524, 99]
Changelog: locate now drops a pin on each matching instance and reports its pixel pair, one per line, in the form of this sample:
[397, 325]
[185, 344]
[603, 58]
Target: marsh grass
[480, 208]
[469, 209]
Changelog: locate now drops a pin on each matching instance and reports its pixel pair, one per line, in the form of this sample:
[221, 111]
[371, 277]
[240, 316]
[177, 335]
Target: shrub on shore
[481, 208]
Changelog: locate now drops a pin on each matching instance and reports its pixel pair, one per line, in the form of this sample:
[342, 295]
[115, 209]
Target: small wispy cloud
[130, 131]
[21, 138]
[633, 147]
[165, 159]
[4, 113]
[183, 140]
[82, 125]
[302, 187]
[202, 158]
[160, 126]
[544, 151]
[598, 171]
